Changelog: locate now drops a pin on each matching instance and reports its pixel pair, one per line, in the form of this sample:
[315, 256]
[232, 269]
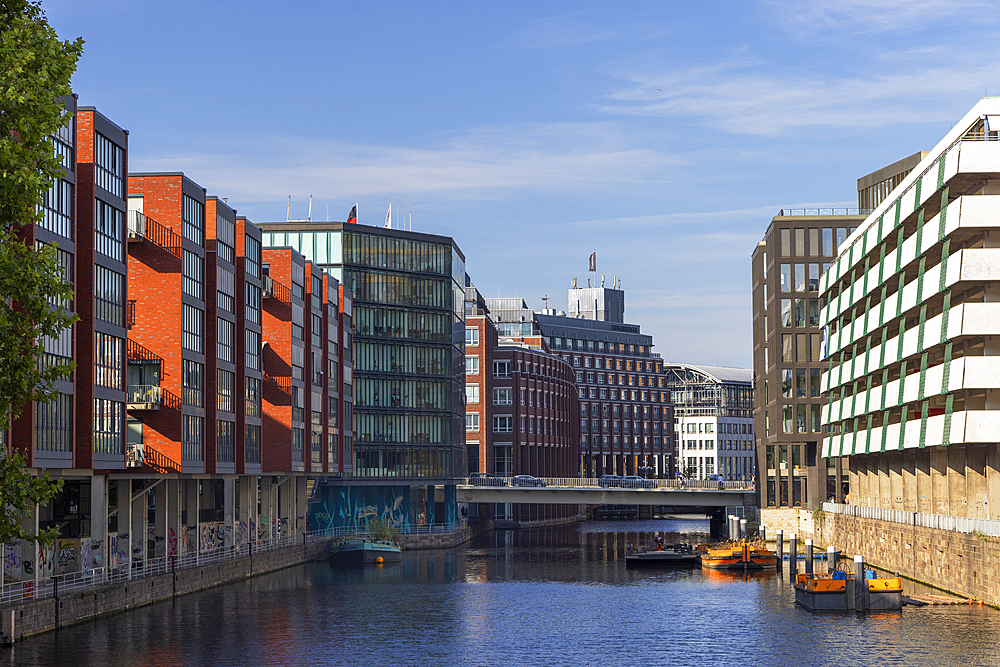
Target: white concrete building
[713, 420]
[912, 328]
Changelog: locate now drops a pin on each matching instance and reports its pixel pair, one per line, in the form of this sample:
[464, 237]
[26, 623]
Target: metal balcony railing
[272, 289]
[823, 211]
[144, 397]
[141, 227]
[138, 352]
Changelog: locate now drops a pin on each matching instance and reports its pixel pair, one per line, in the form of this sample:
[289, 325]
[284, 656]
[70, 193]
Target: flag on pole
[352, 217]
[388, 218]
[593, 261]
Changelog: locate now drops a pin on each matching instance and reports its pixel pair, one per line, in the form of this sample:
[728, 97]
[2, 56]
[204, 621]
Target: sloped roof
[717, 373]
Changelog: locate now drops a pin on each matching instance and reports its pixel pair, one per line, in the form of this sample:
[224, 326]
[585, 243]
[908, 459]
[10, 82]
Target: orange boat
[739, 556]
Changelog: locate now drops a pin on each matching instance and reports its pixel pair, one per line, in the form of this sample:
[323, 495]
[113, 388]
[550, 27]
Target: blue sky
[663, 135]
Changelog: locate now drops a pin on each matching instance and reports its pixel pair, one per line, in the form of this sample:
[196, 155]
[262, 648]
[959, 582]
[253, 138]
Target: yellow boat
[739, 556]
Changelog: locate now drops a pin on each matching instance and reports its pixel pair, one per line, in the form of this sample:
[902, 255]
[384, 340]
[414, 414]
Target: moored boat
[676, 555]
[836, 592]
[738, 556]
[365, 551]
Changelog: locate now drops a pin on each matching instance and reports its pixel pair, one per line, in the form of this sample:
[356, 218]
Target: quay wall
[444, 540]
[32, 618]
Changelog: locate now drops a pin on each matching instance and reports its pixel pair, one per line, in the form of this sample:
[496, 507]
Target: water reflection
[554, 596]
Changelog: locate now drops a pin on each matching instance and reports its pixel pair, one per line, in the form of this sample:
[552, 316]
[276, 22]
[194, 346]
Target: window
[827, 241]
[191, 383]
[225, 232]
[109, 165]
[503, 397]
[251, 401]
[225, 442]
[471, 421]
[252, 303]
[316, 331]
[471, 365]
[800, 418]
[786, 242]
[800, 383]
[53, 424]
[226, 390]
[786, 312]
[800, 277]
[251, 250]
[503, 424]
[108, 426]
[813, 242]
[787, 419]
[814, 380]
[226, 287]
[501, 369]
[814, 277]
[786, 277]
[109, 359]
[786, 383]
[471, 336]
[814, 312]
[109, 231]
[253, 350]
[787, 355]
[800, 242]
[252, 443]
[471, 393]
[109, 296]
[191, 337]
[58, 208]
[194, 267]
[800, 312]
[226, 334]
[194, 221]
[191, 447]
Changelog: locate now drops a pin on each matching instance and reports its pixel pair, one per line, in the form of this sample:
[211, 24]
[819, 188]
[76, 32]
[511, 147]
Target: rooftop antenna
[309, 216]
[288, 213]
[411, 221]
[545, 300]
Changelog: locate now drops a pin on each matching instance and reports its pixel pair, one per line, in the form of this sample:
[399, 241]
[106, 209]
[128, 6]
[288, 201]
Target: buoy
[378, 559]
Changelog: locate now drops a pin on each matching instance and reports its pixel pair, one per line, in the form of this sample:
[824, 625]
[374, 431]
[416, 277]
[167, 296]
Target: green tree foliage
[35, 72]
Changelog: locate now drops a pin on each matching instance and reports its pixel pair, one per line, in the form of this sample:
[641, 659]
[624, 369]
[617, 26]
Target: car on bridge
[611, 481]
[485, 479]
[527, 480]
[636, 482]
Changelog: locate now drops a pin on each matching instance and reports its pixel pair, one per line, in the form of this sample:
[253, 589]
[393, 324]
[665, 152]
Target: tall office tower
[913, 353]
[407, 366]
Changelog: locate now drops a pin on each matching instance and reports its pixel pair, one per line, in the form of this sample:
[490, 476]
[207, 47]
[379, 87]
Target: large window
[253, 350]
[57, 208]
[471, 421]
[194, 274]
[193, 328]
[194, 221]
[503, 396]
[471, 365]
[191, 383]
[226, 340]
[109, 360]
[225, 442]
[225, 232]
[252, 303]
[252, 443]
[501, 369]
[54, 424]
[109, 422]
[252, 399]
[251, 250]
[191, 438]
[109, 165]
[471, 393]
[225, 283]
[109, 296]
[503, 424]
[109, 230]
[471, 336]
[225, 391]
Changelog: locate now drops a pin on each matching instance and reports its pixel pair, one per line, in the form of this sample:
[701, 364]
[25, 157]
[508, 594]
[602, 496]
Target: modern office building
[787, 359]
[912, 369]
[407, 365]
[876, 186]
[713, 420]
[625, 416]
[522, 411]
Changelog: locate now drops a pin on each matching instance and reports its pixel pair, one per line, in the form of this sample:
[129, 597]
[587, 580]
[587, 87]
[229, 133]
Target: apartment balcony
[135, 456]
[141, 229]
[272, 289]
[144, 397]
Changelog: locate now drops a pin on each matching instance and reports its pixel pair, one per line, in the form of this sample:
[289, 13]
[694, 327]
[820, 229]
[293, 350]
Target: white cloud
[871, 16]
[481, 164]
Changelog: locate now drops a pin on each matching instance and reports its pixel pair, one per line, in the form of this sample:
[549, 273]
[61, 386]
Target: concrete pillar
[809, 556]
[859, 583]
[430, 504]
[975, 480]
[266, 517]
[98, 521]
[125, 523]
[993, 480]
[793, 555]
[451, 503]
[831, 559]
[909, 472]
[301, 503]
[779, 542]
[939, 479]
[30, 567]
[884, 483]
[895, 466]
[924, 489]
[191, 517]
[957, 492]
[172, 511]
[743, 528]
[762, 531]
[160, 520]
[228, 512]
[242, 521]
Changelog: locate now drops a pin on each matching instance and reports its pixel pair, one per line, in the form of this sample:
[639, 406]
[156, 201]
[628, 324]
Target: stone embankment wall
[962, 563]
[445, 540]
[32, 618]
[789, 520]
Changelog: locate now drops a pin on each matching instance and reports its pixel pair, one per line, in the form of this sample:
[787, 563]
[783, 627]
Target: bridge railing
[585, 483]
[957, 524]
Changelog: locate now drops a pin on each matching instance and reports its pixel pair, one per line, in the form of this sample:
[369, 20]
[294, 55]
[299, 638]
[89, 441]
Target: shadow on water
[548, 596]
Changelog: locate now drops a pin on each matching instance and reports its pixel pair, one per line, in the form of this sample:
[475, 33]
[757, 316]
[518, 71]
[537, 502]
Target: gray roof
[718, 373]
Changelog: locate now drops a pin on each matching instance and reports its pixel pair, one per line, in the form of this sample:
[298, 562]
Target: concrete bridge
[558, 491]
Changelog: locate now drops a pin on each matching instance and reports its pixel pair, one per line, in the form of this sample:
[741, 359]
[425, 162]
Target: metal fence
[620, 483]
[958, 524]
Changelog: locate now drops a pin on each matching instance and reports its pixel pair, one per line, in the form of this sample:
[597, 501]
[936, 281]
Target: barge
[837, 591]
[365, 551]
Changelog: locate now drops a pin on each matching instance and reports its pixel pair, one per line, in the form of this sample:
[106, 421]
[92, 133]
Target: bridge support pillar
[430, 504]
[717, 521]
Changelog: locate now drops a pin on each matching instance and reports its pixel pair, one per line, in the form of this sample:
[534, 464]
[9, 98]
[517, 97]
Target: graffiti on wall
[242, 537]
[171, 542]
[46, 560]
[68, 556]
[12, 560]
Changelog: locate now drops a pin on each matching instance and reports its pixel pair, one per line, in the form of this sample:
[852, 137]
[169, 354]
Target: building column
[191, 523]
[430, 504]
[245, 524]
[450, 503]
[172, 512]
[98, 521]
[125, 523]
[139, 520]
[939, 479]
[301, 503]
[228, 511]
[160, 520]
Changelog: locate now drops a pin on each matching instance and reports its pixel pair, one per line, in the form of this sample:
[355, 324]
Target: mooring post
[779, 539]
[831, 559]
[809, 556]
[793, 555]
[743, 527]
[762, 531]
[859, 583]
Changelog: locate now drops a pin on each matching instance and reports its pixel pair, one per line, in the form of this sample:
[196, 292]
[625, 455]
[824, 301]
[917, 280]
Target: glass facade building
[409, 345]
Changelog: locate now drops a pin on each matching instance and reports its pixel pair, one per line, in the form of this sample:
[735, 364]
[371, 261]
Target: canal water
[547, 596]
